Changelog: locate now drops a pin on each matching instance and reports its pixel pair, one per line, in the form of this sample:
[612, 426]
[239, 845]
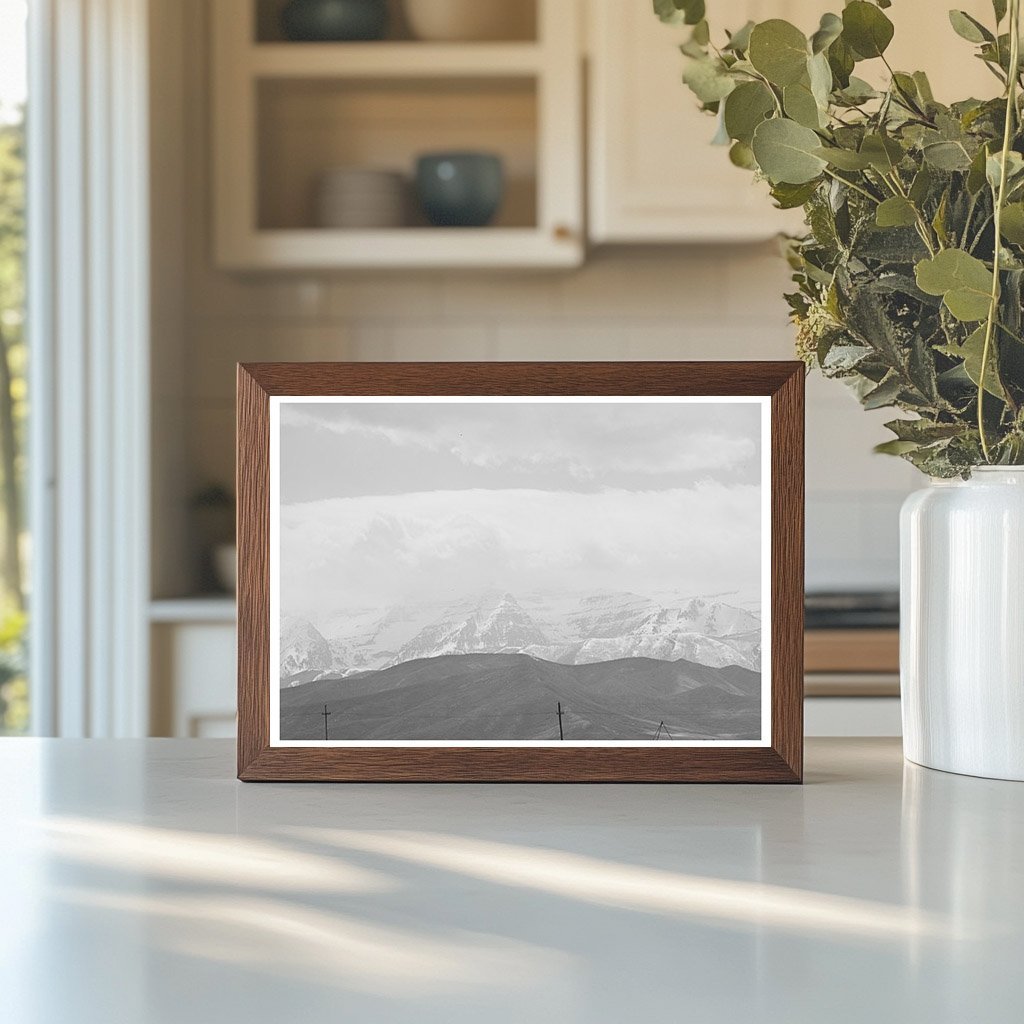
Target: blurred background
[217, 181]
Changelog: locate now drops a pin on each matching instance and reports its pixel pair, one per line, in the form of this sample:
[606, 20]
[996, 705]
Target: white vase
[962, 624]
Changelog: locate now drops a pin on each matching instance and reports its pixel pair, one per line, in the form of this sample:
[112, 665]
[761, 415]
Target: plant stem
[981, 231]
[923, 228]
[856, 188]
[993, 309]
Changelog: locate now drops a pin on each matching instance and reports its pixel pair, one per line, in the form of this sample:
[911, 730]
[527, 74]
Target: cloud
[380, 551]
[587, 442]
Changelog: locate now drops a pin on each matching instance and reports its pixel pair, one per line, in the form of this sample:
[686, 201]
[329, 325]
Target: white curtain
[88, 320]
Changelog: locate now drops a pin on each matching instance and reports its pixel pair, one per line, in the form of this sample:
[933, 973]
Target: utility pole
[561, 735]
[325, 714]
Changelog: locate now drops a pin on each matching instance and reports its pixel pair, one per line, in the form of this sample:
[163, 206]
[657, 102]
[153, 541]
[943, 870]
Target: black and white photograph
[481, 571]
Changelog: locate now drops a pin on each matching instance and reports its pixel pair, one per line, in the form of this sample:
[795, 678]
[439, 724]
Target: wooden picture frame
[780, 757]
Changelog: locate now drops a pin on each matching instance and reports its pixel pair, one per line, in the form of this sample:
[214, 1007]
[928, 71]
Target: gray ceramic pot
[334, 20]
[460, 189]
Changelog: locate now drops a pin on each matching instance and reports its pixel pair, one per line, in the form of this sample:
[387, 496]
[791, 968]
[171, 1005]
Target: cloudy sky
[388, 503]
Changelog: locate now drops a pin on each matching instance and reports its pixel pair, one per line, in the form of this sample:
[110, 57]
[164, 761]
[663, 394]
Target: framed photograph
[513, 572]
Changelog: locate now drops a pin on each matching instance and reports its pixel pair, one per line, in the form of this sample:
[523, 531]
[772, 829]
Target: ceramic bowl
[470, 20]
[334, 20]
[460, 189]
[359, 197]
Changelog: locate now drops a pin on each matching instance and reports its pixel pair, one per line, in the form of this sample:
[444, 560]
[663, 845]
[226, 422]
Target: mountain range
[518, 697]
[562, 629]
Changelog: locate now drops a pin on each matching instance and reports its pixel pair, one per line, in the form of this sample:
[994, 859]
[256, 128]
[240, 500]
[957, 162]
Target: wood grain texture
[787, 625]
[252, 487]
[782, 762]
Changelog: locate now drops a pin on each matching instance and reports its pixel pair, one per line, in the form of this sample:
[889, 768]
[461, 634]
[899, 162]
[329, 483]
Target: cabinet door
[654, 177]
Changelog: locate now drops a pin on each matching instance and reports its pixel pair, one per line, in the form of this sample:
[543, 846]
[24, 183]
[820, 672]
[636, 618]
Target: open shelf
[308, 127]
[287, 113]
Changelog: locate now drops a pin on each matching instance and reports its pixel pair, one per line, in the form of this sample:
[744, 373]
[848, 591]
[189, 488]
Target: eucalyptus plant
[910, 278]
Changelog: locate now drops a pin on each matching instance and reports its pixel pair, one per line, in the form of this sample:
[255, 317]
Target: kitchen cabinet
[192, 648]
[653, 175]
[286, 113]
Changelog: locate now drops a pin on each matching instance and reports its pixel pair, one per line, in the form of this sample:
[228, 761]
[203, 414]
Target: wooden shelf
[401, 247]
[212, 608]
[393, 60]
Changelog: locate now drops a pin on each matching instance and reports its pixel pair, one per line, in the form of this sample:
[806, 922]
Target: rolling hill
[515, 697]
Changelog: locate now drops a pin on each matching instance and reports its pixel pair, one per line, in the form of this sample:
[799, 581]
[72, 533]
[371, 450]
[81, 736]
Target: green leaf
[882, 153]
[668, 11]
[694, 11]
[971, 352]
[866, 29]
[829, 30]
[789, 197]
[800, 105]
[844, 159]
[999, 7]
[676, 12]
[939, 220]
[841, 60]
[896, 212]
[785, 152]
[741, 155]
[745, 108]
[858, 91]
[739, 41]
[924, 87]
[994, 169]
[778, 50]
[921, 185]
[1012, 225]
[947, 156]
[963, 281]
[708, 80]
[896, 447]
[923, 431]
[976, 173]
[969, 28]
[906, 90]
[820, 76]
[885, 394]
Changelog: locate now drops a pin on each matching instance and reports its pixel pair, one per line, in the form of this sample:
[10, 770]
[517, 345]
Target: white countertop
[143, 885]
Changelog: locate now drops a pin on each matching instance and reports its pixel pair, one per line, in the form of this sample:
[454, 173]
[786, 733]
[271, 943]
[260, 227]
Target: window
[14, 547]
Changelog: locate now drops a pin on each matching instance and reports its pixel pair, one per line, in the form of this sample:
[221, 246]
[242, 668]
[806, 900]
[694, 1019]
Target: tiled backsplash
[702, 303]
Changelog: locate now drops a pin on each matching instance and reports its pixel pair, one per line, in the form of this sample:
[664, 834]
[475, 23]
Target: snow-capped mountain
[568, 629]
[494, 626]
[306, 653]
